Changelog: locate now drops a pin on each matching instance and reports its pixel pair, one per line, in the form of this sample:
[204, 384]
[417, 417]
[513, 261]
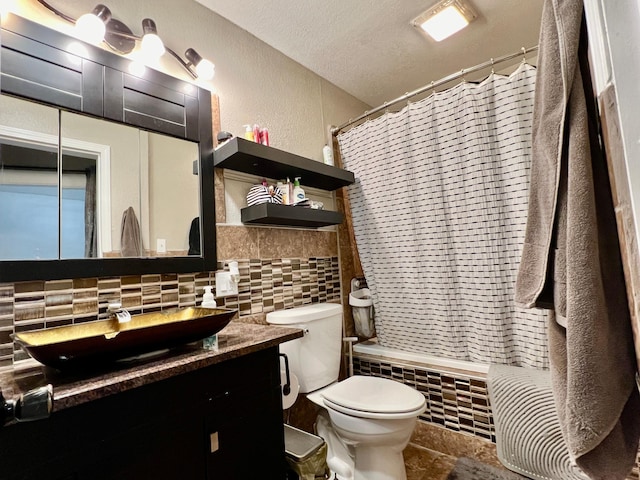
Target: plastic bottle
[248, 133]
[264, 136]
[208, 301]
[327, 155]
[256, 133]
[298, 192]
[287, 194]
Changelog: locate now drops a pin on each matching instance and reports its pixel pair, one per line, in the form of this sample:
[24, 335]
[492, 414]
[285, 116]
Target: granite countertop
[77, 387]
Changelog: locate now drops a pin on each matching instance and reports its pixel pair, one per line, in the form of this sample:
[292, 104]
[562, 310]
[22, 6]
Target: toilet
[366, 421]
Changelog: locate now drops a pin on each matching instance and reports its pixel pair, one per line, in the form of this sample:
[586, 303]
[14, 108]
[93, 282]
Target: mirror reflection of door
[29, 194]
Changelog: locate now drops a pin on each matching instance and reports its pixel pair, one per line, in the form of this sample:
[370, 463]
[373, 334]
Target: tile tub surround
[75, 388]
[265, 285]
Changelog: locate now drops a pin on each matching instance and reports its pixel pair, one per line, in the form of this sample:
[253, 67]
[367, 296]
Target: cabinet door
[163, 107]
[246, 437]
[34, 70]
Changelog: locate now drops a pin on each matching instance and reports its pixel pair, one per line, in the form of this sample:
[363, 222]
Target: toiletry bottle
[256, 133]
[285, 192]
[248, 133]
[298, 192]
[264, 136]
[208, 301]
[327, 155]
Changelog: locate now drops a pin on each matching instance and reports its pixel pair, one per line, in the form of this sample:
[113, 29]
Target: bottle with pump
[208, 301]
[298, 192]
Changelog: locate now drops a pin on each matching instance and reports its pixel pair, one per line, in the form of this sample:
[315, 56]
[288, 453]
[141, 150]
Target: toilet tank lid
[304, 314]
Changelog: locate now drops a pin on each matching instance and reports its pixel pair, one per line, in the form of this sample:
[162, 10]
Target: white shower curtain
[439, 211]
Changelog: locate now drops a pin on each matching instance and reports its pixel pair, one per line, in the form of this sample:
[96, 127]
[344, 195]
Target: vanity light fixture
[444, 19]
[99, 26]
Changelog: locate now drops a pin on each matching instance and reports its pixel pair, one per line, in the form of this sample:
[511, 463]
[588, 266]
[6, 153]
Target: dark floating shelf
[275, 214]
[250, 157]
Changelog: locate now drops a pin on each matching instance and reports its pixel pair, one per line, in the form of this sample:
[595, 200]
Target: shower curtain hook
[462, 75]
[492, 65]
[433, 87]
[524, 55]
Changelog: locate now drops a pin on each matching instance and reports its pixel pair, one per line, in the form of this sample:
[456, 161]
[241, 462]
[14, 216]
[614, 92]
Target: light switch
[161, 245]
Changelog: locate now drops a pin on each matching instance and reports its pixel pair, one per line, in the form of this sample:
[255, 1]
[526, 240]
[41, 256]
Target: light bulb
[90, 28]
[205, 69]
[152, 46]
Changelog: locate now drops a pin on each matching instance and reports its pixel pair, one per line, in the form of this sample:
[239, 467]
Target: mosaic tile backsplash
[455, 401]
[265, 285]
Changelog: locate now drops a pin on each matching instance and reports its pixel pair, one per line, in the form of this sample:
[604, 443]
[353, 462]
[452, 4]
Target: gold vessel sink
[108, 340]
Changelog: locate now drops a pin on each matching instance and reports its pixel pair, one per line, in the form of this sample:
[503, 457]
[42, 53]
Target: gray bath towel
[571, 258]
[130, 240]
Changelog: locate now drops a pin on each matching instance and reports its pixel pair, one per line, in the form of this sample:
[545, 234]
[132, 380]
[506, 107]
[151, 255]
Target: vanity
[189, 413]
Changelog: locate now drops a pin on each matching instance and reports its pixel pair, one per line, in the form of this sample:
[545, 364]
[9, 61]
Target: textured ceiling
[368, 47]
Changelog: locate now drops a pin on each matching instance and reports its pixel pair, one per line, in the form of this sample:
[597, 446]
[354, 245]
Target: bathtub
[456, 390]
[372, 347]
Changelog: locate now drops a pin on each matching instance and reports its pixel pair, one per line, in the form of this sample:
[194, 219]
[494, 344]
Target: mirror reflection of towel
[194, 237]
[130, 241]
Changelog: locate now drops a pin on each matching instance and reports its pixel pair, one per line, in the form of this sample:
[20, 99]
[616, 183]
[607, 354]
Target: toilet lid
[375, 395]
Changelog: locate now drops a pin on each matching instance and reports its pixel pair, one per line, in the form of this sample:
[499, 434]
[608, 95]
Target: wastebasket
[362, 307]
[306, 454]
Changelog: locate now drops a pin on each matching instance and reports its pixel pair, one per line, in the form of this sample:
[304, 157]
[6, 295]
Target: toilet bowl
[366, 421]
[374, 419]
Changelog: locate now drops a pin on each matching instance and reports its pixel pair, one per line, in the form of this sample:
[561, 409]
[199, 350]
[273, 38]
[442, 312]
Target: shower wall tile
[455, 401]
[265, 285]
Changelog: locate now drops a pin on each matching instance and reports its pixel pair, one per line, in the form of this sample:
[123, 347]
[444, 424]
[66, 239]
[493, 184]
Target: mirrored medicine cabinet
[102, 173]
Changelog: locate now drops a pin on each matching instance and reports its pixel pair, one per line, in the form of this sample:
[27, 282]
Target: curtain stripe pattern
[439, 211]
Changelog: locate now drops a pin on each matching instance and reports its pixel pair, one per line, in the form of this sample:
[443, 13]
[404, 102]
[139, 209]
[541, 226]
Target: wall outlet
[161, 245]
[225, 286]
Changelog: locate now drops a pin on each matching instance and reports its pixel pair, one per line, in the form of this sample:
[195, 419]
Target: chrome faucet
[120, 313]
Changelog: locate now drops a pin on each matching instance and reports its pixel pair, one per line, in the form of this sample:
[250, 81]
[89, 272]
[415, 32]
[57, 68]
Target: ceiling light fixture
[99, 26]
[444, 19]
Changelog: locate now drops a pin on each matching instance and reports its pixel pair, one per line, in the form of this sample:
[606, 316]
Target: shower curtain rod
[523, 51]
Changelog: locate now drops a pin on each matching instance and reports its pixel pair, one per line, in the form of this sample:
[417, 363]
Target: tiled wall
[265, 285]
[455, 401]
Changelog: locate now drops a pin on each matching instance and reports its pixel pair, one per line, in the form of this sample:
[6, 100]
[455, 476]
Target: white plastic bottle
[208, 301]
[327, 155]
[298, 192]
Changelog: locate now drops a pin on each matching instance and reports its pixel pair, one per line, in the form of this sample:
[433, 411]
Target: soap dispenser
[208, 301]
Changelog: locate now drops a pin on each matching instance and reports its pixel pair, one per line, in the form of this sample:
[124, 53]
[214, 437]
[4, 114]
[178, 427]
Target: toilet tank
[314, 358]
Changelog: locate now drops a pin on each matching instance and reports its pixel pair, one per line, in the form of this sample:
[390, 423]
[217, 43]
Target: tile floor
[433, 450]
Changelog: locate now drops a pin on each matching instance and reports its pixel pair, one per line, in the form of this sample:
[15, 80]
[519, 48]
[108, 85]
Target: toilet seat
[373, 397]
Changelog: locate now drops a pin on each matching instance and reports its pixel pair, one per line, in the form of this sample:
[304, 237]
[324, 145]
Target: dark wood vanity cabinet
[220, 422]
